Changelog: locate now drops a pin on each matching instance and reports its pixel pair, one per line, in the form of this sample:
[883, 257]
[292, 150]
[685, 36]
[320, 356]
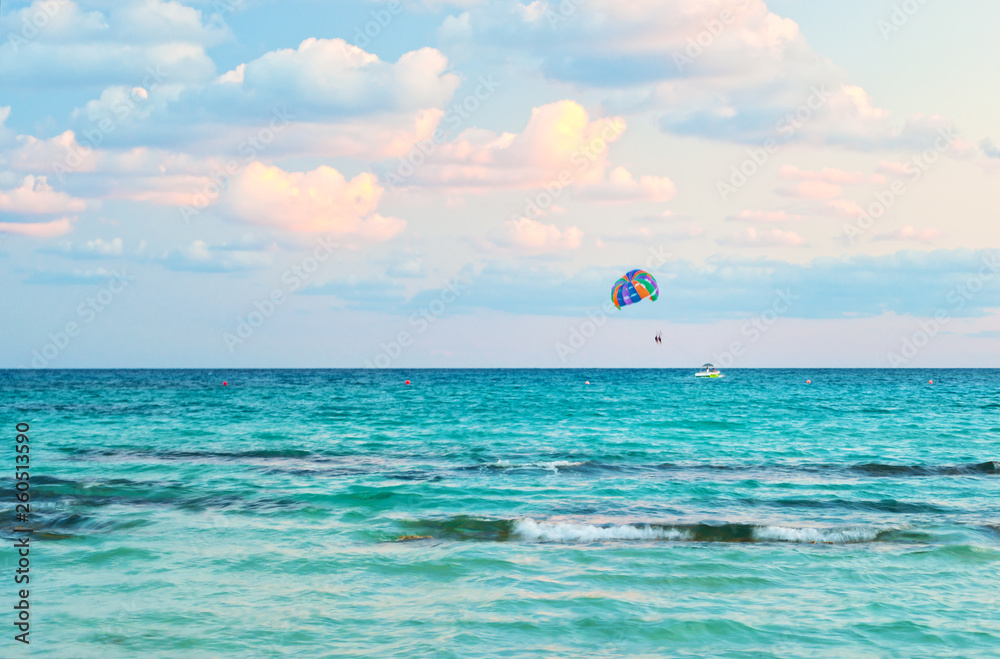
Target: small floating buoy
[930, 382]
[407, 382]
[225, 384]
[587, 382]
[809, 381]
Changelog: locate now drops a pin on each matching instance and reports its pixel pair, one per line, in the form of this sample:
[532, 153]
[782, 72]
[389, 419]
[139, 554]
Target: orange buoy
[930, 382]
[587, 382]
[809, 381]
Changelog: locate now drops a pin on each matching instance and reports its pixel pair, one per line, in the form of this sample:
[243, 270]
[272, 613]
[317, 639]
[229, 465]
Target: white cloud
[5, 133]
[532, 12]
[104, 248]
[76, 277]
[723, 69]
[130, 41]
[199, 256]
[456, 28]
[329, 78]
[407, 268]
[324, 96]
[97, 248]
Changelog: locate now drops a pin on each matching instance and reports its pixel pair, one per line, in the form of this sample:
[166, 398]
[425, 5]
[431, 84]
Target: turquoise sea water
[647, 514]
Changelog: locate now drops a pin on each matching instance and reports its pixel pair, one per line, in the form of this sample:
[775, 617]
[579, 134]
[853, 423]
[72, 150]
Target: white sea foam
[534, 531]
[556, 465]
[817, 535]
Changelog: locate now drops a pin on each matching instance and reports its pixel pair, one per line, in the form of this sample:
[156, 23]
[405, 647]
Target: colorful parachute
[637, 285]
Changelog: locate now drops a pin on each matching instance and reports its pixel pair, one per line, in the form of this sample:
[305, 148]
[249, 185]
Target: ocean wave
[162, 454]
[873, 470]
[836, 503]
[877, 469]
[58, 504]
[527, 529]
[334, 463]
[547, 465]
[62, 525]
[851, 534]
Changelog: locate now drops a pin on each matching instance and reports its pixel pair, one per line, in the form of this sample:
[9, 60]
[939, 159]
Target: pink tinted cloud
[753, 237]
[812, 190]
[643, 235]
[894, 168]
[321, 200]
[534, 237]
[826, 183]
[769, 217]
[622, 186]
[38, 229]
[827, 174]
[36, 197]
[911, 234]
[846, 207]
[559, 143]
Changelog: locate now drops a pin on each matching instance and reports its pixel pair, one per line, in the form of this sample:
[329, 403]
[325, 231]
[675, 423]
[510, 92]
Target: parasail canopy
[635, 286]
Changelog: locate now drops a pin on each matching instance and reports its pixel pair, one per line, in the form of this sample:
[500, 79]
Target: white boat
[709, 371]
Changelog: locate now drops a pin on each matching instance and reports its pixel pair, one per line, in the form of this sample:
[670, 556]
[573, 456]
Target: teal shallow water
[645, 514]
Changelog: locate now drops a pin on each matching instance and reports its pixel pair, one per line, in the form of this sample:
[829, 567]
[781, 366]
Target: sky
[459, 183]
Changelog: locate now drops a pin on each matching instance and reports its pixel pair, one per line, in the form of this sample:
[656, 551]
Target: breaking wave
[527, 529]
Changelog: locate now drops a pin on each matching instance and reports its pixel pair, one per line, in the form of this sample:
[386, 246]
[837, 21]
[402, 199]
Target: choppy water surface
[511, 513]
